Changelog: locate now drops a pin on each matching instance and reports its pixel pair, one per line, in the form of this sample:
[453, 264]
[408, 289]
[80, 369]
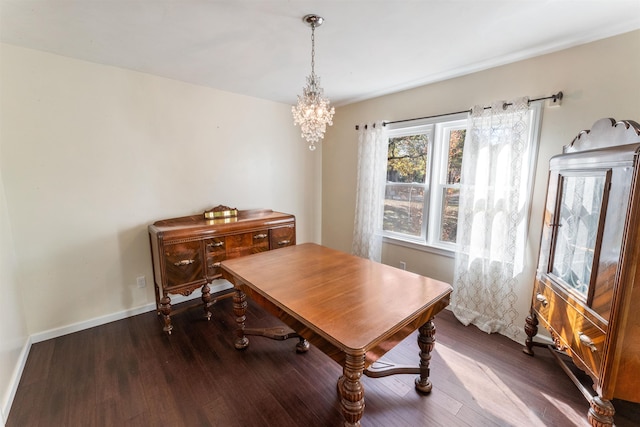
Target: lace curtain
[492, 218]
[372, 159]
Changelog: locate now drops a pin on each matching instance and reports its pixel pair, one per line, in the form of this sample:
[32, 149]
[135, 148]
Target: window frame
[437, 147]
[426, 129]
[443, 135]
[435, 128]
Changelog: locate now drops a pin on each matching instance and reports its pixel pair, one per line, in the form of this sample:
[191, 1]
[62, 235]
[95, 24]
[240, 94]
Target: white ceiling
[262, 48]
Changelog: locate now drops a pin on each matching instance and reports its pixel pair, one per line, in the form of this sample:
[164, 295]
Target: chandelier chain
[313, 48]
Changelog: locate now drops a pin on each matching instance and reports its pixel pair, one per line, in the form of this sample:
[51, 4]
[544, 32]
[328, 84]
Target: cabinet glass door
[579, 216]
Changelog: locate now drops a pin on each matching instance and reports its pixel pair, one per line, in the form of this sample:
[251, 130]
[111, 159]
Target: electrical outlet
[141, 281]
[403, 265]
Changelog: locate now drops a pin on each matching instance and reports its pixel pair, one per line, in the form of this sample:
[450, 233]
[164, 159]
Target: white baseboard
[216, 286]
[54, 333]
[86, 324]
[14, 381]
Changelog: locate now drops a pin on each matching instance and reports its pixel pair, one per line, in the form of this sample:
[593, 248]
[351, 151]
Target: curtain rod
[556, 97]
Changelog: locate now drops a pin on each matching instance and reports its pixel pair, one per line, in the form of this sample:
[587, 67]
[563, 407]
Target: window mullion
[436, 181]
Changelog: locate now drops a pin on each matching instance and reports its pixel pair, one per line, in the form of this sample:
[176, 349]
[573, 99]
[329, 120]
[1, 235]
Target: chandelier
[312, 112]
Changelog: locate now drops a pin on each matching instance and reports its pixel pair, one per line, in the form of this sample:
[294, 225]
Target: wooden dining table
[352, 309]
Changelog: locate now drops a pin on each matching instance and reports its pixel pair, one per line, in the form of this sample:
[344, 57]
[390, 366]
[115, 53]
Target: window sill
[419, 246]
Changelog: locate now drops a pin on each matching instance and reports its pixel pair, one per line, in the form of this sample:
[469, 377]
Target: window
[424, 162]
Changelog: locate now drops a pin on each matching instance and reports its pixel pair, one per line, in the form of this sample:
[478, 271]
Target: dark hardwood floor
[130, 373]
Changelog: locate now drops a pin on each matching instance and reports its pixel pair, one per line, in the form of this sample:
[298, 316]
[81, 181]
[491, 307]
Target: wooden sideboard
[587, 287]
[186, 252]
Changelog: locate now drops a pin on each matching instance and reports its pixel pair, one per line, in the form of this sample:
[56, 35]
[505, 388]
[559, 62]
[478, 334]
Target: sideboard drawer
[247, 243]
[260, 241]
[282, 236]
[239, 245]
[215, 245]
[213, 265]
[183, 263]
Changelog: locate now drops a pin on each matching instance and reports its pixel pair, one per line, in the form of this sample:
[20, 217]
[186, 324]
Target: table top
[352, 302]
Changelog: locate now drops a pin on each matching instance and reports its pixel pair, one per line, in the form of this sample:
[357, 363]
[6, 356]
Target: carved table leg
[601, 412]
[165, 309]
[351, 390]
[426, 342]
[240, 309]
[206, 300]
[531, 329]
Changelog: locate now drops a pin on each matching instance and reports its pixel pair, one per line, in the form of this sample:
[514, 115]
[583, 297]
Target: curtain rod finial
[555, 100]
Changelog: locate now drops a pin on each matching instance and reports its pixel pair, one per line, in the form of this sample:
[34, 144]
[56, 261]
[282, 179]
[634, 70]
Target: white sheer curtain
[372, 159]
[493, 215]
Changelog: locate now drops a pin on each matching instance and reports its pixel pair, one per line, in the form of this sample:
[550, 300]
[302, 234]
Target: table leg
[206, 300]
[351, 390]
[426, 342]
[240, 310]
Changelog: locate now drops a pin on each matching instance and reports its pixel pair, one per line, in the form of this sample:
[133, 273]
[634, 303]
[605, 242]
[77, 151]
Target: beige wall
[599, 79]
[13, 333]
[93, 154]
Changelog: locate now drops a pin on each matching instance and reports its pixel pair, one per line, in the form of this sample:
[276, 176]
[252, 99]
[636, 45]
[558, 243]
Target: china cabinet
[587, 287]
